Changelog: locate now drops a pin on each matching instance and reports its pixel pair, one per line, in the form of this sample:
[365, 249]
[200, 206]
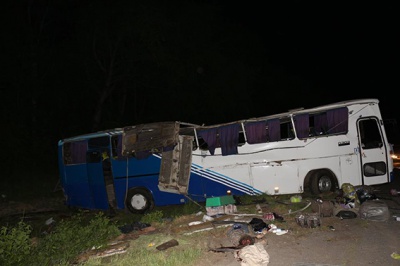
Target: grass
[192, 247]
[68, 239]
[82, 230]
[144, 252]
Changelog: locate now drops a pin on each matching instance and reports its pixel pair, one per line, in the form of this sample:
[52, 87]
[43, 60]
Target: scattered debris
[112, 249]
[251, 253]
[137, 226]
[135, 234]
[395, 256]
[169, 244]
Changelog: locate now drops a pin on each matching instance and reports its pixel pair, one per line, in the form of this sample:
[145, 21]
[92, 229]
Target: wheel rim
[138, 202]
[324, 184]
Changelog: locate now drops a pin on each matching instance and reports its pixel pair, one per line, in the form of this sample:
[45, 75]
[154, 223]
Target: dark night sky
[348, 51]
[200, 61]
[343, 51]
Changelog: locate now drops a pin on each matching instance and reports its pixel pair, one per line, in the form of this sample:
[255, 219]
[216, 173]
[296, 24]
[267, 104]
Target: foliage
[145, 253]
[251, 199]
[84, 231]
[179, 210]
[191, 207]
[15, 244]
[160, 214]
[70, 238]
[154, 216]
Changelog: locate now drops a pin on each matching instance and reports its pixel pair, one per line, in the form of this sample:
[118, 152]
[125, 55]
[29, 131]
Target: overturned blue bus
[137, 168]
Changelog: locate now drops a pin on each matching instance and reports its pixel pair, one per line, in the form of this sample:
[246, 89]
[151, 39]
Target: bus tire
[139, 200]
[322, 181]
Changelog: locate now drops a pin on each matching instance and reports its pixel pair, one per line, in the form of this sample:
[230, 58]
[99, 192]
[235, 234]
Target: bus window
[331, 122]
[286, 130]
[99, 143]
[370, 135]
[374, 168]
[116, 148]
[75, 152]
[226, 137]
[202, 144]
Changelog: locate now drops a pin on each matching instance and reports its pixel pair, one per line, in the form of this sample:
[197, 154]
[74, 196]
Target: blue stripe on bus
[225, 180]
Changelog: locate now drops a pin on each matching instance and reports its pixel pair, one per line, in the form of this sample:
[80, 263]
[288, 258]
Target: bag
[344, 211]
[257, 224]
[308, 220]
[269, 216]
[323, 208]
[374, 210]
[346, 214]
[350, 193]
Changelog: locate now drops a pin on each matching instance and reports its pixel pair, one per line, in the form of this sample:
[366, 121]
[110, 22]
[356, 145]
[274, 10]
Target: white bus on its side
[316, 149]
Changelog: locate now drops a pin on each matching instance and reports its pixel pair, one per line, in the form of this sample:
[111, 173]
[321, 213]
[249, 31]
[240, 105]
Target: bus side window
[370, 135]
[67, 154]
[75, 152]
[116, 147]
[242, 139]
[287, 131]
[202, 144]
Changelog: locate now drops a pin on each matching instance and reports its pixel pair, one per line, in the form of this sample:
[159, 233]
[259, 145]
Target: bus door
[175, 167]
[373, 152]
[101, 180]
[97, 186]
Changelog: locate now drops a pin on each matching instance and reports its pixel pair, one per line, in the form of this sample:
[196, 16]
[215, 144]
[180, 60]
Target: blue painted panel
[76, 187]
[97, 187]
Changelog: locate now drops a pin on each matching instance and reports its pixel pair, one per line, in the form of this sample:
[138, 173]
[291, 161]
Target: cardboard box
[220, 201]
[226, 209]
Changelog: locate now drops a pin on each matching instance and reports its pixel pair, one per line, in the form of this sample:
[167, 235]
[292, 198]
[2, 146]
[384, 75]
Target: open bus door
[176, 152]
[373, 152]
[175, 167]
[96, 179]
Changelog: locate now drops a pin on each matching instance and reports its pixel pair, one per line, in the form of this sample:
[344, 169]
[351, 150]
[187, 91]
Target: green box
[220, 201]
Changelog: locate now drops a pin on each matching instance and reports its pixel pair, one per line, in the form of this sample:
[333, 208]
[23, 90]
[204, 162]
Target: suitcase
[375, 210]
[308, 220]
[323, 207]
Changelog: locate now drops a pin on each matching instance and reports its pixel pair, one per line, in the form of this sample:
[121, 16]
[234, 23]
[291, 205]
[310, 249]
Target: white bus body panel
[281, 167]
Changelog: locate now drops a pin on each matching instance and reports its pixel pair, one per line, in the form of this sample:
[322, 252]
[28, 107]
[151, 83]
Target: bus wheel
[139, 200]
[322, 181]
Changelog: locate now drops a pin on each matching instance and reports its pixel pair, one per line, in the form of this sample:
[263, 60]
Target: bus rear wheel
[139, 200]
[322, 181]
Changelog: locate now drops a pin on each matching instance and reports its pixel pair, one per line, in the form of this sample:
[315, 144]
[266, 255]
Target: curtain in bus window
[78, 151]
[302, 124]
[210, 137]
[274, 129]
[229, 139]
[256, 132]
[320, 124]
[337, 120]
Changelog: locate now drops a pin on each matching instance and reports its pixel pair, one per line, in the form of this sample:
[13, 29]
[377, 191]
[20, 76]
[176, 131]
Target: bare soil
[353, 242]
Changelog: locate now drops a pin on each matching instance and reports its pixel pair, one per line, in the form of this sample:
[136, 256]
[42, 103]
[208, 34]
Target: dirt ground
[352, 242]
